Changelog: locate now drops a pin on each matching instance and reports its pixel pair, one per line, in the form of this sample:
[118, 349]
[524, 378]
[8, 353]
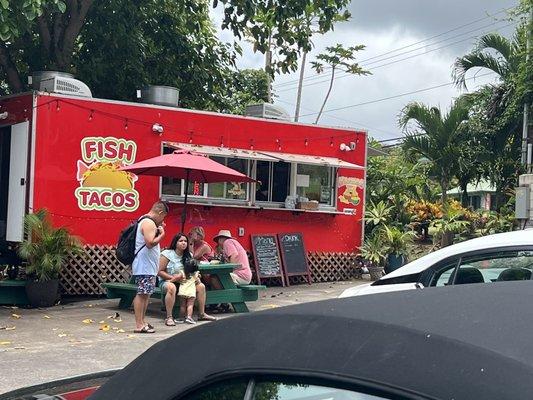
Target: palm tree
[502, 102]
[436, 138]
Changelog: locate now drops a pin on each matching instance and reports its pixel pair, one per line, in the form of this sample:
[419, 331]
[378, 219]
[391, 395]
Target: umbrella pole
[184, 211]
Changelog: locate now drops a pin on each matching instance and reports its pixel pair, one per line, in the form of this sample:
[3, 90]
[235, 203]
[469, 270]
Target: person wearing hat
[235, 254]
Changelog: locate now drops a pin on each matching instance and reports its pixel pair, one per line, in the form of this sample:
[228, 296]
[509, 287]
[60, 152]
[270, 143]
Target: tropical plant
[45, 247]
[435, 137]
[373, 250]
[494, 222]
[396, 241]
[377, 214]
[451, 223]
[337, 57]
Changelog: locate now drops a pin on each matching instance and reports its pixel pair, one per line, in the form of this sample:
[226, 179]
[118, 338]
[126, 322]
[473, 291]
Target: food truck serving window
[279, 176]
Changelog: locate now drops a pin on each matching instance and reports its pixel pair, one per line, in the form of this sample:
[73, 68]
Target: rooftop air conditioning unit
[65, 85]
[267, 110]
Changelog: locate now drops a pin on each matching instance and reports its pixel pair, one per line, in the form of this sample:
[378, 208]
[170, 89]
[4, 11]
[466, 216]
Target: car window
[501, 266]
[301, 391]
[251, 389]
[443, 275]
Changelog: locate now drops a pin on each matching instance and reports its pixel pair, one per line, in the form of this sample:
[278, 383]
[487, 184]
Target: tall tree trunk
[327, 95]
[268, 63]
[12, 74]
[464, 194]
[444, 188]
[300, 84]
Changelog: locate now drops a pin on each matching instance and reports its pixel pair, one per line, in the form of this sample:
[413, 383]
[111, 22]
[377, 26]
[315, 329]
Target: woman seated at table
[201, 250]
[171, 274]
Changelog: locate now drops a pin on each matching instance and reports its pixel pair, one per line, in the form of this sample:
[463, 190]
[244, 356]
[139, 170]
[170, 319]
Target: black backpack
[125, 251]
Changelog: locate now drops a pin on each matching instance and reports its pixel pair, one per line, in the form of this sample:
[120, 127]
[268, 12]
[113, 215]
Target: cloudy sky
[410, 46]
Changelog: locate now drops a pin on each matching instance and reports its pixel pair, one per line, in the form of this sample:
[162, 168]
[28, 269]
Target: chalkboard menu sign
[293, 255]
[267, 258]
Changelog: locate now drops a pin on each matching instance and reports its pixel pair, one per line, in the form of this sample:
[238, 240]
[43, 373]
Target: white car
[499, 257]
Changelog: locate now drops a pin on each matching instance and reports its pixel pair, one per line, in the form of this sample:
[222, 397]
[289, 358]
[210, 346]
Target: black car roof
[462, 342]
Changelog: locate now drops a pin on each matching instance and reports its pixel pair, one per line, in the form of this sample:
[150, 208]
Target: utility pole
[527, 149]
[300, 84]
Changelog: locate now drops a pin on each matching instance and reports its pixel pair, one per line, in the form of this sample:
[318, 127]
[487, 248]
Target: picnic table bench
[13, 292]
[237, 295]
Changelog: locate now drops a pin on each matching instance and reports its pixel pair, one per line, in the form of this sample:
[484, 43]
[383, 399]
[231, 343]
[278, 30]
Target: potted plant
[374, 252]
[396, 241]
[45, 250]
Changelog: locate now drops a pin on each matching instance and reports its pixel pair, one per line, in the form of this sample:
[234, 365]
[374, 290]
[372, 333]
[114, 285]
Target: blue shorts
[145, 284]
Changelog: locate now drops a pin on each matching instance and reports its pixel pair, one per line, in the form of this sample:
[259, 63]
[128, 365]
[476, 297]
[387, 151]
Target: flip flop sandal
[170, 321]
[144, 329]
[206, 317]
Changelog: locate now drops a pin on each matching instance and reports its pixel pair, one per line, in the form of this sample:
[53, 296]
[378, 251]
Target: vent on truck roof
[64, 85]
[267, 110]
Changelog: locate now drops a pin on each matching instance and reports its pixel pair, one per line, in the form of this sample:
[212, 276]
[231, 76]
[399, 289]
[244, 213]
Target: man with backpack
[150, 231]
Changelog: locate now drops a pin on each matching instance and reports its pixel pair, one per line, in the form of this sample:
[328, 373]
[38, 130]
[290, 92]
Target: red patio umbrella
[187, 165]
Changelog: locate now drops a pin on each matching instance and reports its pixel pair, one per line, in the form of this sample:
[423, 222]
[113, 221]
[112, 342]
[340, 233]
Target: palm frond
[495, 41]
[418, 144]
[46, 247]
[426, 118]
[456, 116]
[473, 60]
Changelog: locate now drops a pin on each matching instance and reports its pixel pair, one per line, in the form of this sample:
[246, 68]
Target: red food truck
[63, 153]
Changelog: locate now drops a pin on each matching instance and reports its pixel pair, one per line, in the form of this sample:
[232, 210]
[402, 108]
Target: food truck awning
[222, 151]
[315, 160]
[265, 155]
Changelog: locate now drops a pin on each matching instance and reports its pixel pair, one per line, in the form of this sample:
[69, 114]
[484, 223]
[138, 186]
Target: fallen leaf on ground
[62, 335]
[105, 327]
[117, 320]
[131, 336]
[4, 343]
[46, 317]
[19, 348]
[115, 328]
[16, 316]
[115, 316]
[89, 305]
[87, 321]
[10, 328]
[54, 329]
[121, 331]
[102, 322]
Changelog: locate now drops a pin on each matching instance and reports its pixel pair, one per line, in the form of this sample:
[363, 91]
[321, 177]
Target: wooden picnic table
[237, 295]
[230, 293]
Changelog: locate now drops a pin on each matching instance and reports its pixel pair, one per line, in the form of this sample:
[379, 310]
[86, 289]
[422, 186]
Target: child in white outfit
[187, 290]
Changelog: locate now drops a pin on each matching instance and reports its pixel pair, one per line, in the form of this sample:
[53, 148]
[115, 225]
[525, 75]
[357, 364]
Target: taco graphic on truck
[102, 185]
